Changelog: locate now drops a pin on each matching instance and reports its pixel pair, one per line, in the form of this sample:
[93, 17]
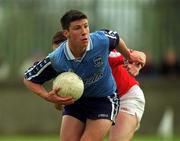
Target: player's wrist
[130, 54]
[129, 57]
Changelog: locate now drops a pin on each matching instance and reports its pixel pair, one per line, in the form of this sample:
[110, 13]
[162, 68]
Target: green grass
[29, 138]
[56, 138]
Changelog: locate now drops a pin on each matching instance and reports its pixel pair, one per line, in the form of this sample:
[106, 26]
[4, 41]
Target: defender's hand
[133, 68]
[137, 57]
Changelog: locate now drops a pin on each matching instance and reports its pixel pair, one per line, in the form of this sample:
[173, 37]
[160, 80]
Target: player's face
[78, 33]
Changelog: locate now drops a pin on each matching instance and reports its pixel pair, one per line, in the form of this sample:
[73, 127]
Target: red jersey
[124, 80]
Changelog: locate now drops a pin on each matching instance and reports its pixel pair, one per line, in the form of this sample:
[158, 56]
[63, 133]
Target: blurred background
[26, 30]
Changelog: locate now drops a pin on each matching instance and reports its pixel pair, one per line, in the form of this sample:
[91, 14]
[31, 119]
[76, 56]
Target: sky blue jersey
[93, 67]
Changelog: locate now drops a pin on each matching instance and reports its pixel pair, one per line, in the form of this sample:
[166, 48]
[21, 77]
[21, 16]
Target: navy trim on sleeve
[41, 72]
[113, 38]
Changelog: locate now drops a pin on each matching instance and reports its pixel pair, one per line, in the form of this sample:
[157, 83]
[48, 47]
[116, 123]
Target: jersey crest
[98, 61]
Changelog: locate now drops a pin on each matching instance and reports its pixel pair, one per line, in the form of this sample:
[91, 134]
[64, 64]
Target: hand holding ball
[70, 84]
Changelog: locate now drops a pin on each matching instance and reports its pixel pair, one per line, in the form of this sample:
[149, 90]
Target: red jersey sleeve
[115, 58]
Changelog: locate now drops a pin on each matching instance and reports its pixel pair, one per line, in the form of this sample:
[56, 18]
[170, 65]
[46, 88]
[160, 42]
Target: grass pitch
[56, 138]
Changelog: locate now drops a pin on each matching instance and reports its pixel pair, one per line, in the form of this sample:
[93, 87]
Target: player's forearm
[131, 55]
[36, 88]
[122, 48]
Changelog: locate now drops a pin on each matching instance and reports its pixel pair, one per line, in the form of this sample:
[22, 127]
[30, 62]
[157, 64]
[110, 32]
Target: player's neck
[77, 52]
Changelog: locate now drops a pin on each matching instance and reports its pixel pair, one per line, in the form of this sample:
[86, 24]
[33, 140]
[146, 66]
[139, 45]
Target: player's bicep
[41, 72]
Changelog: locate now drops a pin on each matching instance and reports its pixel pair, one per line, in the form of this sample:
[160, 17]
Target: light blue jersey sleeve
[113, 37]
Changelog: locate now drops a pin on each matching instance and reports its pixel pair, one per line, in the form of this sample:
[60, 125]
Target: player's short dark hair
[58, 37]
[70, 16]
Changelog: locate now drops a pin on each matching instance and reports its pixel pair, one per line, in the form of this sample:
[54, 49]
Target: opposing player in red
[132, 100]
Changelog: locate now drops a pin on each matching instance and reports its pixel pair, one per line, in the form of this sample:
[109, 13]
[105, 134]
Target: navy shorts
[94, 108]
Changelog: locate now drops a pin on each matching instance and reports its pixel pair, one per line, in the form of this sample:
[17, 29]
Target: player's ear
[65, 33]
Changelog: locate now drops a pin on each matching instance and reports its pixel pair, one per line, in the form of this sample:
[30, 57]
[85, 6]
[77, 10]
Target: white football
[70, 84]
